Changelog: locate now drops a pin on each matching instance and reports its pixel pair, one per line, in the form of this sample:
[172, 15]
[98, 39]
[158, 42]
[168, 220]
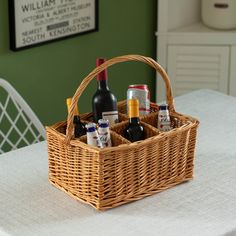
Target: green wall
[46, 75]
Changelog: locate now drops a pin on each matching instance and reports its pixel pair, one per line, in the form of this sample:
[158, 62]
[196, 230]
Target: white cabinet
[232, 81]
[193, 55]
[195, 67]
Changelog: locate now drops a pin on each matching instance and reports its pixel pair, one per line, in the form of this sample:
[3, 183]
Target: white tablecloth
[29, 205]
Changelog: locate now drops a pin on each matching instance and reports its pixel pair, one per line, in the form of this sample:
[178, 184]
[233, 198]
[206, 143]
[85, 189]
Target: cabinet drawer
[197, 67]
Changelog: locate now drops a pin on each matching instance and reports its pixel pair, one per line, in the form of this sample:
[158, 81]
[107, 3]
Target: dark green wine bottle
[134, 131]
[104, 102]
[79, 127]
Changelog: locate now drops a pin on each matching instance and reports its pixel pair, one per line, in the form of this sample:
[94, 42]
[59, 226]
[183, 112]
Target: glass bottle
[134, 131]
[104, 132]
[79, 127]
[104, 102]
[92, 136]
[164, 123]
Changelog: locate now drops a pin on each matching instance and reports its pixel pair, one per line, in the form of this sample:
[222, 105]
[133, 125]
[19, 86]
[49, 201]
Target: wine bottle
[104, 102]
[79, 127]
[134, 131]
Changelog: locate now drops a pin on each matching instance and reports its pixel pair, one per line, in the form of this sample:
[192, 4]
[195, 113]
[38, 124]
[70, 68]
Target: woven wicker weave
[106, 178]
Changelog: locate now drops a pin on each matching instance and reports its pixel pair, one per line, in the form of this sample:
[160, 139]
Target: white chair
[19, 126]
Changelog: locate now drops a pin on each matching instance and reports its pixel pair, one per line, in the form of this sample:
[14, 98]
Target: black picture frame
[27, 35]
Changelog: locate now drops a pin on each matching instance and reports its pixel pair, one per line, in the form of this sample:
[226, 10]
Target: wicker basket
[106, 178]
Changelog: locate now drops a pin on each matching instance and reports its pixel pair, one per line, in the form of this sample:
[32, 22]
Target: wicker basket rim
[191, 122]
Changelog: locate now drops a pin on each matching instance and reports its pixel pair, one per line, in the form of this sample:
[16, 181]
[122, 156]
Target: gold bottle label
[133, 110]
[68, 103]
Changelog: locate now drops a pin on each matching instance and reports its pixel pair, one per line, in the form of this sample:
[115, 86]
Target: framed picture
[36, 22]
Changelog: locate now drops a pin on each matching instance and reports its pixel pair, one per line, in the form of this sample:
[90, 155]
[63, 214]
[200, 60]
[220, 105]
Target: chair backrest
[19, 126]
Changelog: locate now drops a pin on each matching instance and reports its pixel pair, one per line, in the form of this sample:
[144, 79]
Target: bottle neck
[103, 84]
[68, 102]
[134, 120]
[76, 119]
[133, 111]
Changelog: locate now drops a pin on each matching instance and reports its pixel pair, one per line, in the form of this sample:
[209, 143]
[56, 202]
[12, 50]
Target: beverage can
[140, 92]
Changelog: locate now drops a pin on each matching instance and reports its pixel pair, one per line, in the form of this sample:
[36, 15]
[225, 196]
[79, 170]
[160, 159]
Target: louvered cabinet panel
[232, 83]
[196, 67]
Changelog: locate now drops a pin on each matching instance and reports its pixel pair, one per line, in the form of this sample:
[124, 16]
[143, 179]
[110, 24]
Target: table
[29, 205]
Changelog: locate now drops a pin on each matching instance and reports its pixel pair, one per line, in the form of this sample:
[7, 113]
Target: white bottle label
[93, 139]
[105, 136]
[164, 123]
[111, 116]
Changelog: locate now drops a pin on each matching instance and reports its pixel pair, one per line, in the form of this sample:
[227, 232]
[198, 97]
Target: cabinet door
[232, 81]
[196, 67]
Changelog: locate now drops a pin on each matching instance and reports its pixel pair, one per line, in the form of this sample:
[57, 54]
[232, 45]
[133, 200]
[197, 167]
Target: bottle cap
[91, 127]
[68, 103]
[103, 123]
[102, 75]
[133, 108]
[163, 107]
[138, 86]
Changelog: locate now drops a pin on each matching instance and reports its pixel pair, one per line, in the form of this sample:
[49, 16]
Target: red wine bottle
[104, 102]
[134, 131]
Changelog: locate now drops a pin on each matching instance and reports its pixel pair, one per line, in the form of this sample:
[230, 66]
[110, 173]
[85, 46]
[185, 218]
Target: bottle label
[105, 136]
[112, 116]
[93, 139]
[164, 123]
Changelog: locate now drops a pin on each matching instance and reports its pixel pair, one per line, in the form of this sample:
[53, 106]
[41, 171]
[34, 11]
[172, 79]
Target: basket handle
[106, 64]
